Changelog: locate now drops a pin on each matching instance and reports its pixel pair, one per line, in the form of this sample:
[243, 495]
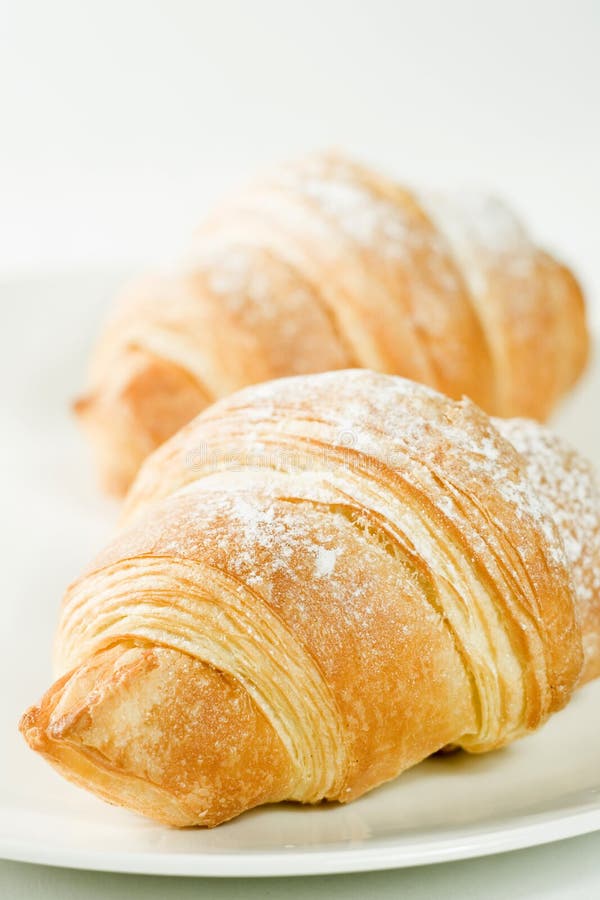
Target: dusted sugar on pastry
[325, 265]
[318, 583]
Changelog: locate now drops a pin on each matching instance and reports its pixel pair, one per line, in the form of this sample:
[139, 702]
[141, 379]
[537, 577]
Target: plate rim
[513, 833]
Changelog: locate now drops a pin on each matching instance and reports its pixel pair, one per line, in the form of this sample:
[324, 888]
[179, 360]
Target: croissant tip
[81, 405]
[30, 728]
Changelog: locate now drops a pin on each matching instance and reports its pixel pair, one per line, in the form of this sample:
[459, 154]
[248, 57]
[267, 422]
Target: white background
[121, 122]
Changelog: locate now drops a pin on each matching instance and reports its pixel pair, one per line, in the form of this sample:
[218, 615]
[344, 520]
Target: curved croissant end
[319, 582]
[162, 733]
[325, 265]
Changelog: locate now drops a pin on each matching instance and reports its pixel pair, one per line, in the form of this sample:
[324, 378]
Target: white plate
[541, 789]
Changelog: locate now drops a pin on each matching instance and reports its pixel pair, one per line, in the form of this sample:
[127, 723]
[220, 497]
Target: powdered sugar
[363, 217]
[566, 484]
[482, 233]
[381, 420]
[325, 561]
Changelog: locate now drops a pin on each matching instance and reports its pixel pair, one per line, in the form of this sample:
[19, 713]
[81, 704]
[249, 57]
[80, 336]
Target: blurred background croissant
[325, 264]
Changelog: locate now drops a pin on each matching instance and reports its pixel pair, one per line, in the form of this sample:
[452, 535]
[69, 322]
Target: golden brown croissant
[317, 583]
[325, 265]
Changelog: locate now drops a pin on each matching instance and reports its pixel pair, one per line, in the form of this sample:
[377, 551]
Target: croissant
[317, 583]
[325, 265]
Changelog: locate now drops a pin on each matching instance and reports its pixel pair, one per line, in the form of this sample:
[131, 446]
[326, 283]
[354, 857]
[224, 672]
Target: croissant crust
[316, 584]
